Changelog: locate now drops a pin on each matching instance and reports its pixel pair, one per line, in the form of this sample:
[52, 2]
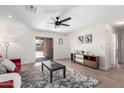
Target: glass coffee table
[53, 66]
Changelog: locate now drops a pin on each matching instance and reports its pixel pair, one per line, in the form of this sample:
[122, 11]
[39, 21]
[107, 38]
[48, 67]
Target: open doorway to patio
[44, 48]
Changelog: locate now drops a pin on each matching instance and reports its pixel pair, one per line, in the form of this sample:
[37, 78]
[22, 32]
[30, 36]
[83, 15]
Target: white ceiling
[82, 16]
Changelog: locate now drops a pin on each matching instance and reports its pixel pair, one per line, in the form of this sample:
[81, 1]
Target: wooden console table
[87, 60]
[91, 61]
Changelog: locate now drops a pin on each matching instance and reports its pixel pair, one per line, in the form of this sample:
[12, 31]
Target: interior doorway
[44, 48]
[117, 47]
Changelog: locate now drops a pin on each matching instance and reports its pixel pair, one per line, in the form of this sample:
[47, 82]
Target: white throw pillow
[9, 65]
[2, 69]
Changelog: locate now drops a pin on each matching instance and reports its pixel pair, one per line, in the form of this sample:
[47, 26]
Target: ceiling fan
[58, 22]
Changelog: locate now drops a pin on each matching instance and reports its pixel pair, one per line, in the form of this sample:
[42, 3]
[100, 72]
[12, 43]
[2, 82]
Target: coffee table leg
[51, 76]
[42, 67]
[64, 72]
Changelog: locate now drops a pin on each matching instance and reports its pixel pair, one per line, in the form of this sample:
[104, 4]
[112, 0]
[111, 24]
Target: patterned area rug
[33, 77]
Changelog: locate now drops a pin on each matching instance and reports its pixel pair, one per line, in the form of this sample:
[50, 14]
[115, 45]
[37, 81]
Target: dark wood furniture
[87, 60]
[91, 61]
[53, 67]
[72, 56]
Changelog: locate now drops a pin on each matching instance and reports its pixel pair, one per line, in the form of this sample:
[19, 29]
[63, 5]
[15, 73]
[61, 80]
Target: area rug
[33, 77]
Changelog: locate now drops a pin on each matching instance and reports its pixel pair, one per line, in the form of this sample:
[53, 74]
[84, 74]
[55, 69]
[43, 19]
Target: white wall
[23, 45]
[97, 47]
[113, 49]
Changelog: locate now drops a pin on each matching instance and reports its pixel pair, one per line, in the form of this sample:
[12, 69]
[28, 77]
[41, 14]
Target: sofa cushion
[9, 65]
[2, 69]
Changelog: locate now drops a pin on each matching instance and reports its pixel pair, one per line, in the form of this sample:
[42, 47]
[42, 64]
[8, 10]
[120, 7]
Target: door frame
[115, 49]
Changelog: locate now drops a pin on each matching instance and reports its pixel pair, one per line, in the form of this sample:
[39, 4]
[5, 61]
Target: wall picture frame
[88, 38]
[80, 39]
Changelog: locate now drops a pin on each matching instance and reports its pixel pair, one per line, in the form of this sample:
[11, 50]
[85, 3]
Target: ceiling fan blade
[65, 24]
[69, 18]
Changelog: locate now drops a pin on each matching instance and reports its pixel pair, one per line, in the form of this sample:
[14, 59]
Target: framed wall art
[88, 38]
[80, 39]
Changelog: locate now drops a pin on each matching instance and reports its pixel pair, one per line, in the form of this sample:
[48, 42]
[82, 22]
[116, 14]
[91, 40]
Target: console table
[91, 61]
[87, 60]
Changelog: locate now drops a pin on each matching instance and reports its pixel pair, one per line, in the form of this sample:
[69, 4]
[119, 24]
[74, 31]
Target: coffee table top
[53, 66]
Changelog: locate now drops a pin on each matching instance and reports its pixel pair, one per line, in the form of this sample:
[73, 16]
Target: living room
[74, 34]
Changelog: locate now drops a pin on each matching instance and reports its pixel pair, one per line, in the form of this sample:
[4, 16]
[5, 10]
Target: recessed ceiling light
[9, 16]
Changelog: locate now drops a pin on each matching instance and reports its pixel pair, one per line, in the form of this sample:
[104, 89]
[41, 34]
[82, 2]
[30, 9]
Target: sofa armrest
[17, 62]
[7, 84]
